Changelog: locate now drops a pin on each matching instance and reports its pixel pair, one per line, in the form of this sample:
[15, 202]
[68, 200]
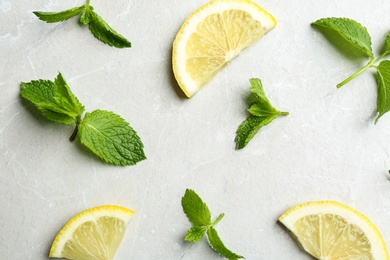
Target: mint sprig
[357, 37]
[261, 113]
[99, 28]
[106, 134]
[199, 215]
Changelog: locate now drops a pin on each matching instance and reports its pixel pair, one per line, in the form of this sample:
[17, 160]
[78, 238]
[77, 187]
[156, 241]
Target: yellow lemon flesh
[92, 234]
[212, 36]
[329, 230]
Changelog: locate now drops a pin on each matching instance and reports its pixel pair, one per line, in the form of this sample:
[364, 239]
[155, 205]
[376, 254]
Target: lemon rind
[379, 249]
[91, 214]
[188, 86]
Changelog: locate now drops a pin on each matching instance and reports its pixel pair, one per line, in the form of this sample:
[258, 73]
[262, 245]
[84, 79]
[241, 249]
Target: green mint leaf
[383, 81]
[196, 210]
[199, 214]
[219, 247]
[387, 43]
[57, 117]
[87, 15]
[65, 97]
[99, 28]
[195, 234]
[261, 106]
[249, 128]
[262, 113]
[258, 91]
[54, 17]
[43, 94]
[352, 31]
[258, 109]
[102, 31]
[111, 138]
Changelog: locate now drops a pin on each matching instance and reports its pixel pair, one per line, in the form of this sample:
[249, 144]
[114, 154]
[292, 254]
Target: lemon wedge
[329, 230]
[92, 234]
[212, 36]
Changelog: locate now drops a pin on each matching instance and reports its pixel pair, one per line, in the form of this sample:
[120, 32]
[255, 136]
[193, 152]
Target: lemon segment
[329, 230]
[214, 35]
[92, 234]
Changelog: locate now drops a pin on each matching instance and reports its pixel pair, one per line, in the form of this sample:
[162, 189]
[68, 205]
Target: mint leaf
[352, 31]
[196, 210]
[99, 28]
[65, 97]
[111, 138]
[261, 106]
[199, 215]
[57, 117]
[105, 133]
[40, 93]
[249, 128]
[262, 113]
[257, 89]
[219, 247]
[105, 33]
[358, 36]
[87, 15]
[195, 234]
[387, 43]
[383, 80]
[54, 17]
[49, 99]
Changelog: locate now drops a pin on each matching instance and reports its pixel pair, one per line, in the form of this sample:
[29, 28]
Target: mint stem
[357, 73]
[284, 113]
[74, 134]
[87, 2]
[218, 219]
[76, 130]
[370, 64]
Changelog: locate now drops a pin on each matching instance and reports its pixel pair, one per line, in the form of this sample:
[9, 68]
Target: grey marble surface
[327, 148]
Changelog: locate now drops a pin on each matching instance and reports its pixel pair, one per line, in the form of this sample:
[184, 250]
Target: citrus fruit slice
[92, 234]
[331, 230]
[212, 36]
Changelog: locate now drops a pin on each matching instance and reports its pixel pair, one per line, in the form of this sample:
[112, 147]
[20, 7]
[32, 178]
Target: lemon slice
[329, 230]
[92, 234]
[214, 35]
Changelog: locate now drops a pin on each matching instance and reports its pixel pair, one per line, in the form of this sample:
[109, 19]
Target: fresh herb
[358, 38]
[99, 28]
[199, 215]
[106, 134]
[261, 113]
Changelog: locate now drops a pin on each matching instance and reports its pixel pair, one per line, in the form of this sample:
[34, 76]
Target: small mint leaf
[383, 81]
[387, 43]
[351, 31]
[42, 93]
[249, 128]
[111, 138]
[257, 89]
[87, 15]
[219, 247]
[262, 113]
[102, 31]
[196, 210]
[65, 97]
[195, 234]
[54, 17]
[57, 117]
[260, 106]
